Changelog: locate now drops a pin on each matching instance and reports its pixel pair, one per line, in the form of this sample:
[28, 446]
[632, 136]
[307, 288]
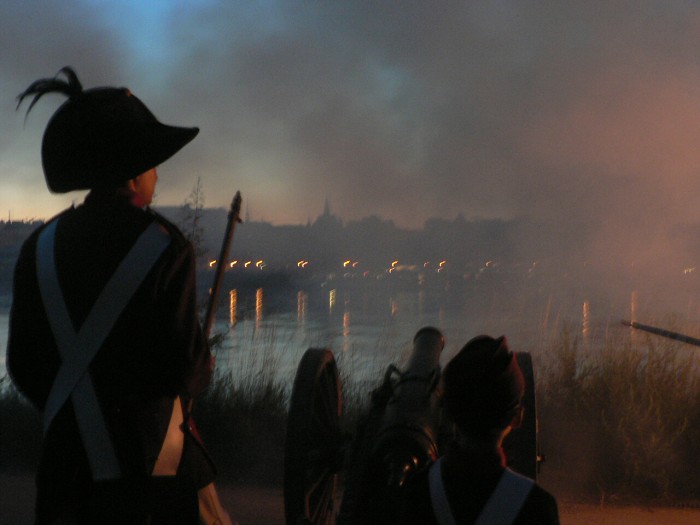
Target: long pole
[233, 218]
[663, 332]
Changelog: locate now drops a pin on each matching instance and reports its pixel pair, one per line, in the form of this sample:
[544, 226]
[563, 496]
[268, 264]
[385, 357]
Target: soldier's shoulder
[174, 232]
[540, 507]
[41, 226]
[542, 493]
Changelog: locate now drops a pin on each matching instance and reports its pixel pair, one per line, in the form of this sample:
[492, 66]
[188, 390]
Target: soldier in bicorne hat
[483, 389]
[104, 335]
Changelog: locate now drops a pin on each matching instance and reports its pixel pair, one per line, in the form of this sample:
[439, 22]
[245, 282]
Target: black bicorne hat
[101, 137]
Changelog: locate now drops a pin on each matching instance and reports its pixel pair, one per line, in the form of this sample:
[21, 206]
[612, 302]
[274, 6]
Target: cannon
[336, 476]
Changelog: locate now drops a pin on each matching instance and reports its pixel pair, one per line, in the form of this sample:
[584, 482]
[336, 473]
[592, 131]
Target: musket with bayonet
[663, 332]
[233, 219]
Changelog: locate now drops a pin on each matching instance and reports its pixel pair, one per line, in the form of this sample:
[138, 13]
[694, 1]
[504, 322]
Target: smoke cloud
[583, 117]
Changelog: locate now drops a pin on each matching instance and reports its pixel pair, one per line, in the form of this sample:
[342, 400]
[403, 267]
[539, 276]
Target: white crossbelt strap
[502, 507]
[77, 350]
[438, 498]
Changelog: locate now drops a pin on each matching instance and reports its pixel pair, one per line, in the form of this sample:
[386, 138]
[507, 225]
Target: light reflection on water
[232, 307]
[267, 331]
[369, 329]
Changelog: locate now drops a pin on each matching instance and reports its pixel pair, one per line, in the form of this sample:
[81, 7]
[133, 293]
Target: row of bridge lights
[259, 264]
[303, 263]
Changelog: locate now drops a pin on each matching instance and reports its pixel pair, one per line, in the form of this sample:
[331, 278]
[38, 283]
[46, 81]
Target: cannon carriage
[330, 477]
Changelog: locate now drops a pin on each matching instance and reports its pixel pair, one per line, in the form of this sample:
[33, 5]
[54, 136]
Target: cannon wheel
[312, 452]
[522, 447]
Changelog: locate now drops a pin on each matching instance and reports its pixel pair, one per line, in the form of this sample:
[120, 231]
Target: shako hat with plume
[100, 137]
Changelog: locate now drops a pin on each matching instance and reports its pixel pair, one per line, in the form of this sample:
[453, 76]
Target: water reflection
[377, 323]
[316, 314]
[586, 322]
[636, 335]
[346, 331]
[302, 302]
[232, 306]
[545, 317]
[258, 307]
[331, 301]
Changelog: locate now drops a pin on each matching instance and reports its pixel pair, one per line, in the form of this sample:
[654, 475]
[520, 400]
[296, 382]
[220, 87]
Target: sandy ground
[263, 506]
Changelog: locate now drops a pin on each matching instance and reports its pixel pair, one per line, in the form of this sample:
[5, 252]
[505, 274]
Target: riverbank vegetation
[617, 423]
[621, 422]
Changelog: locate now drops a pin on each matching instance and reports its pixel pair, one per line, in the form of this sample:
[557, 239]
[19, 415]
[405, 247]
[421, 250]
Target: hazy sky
[561, 110]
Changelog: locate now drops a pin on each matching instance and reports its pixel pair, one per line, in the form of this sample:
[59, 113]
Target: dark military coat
[155, 351]
[469, 479]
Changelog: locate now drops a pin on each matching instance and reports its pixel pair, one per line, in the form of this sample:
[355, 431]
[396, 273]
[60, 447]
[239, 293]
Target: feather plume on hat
[72, 88]
[100, 137]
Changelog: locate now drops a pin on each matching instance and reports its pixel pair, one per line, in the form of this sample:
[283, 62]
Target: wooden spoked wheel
[313, 449]
[521, 446]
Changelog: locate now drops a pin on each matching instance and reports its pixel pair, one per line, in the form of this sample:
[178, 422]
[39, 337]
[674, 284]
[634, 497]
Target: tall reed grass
[621, 421]
[242, 417]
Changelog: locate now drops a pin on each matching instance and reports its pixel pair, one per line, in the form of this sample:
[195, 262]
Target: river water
[371, 325]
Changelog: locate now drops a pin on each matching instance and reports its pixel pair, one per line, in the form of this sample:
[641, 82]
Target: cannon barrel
[407, 438]
[398, 436]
